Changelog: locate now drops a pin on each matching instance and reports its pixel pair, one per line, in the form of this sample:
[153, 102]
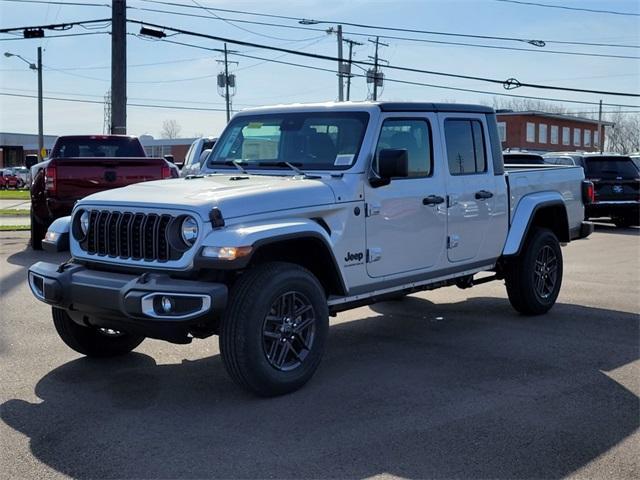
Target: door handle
[432, 200]
[483, 195]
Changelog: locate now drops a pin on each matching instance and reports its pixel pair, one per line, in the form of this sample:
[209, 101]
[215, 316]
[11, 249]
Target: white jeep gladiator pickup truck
[300, 212]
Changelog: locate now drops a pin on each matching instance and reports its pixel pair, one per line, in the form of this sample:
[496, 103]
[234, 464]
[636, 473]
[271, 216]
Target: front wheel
[273, 334]
[534, 278]
[93, 341]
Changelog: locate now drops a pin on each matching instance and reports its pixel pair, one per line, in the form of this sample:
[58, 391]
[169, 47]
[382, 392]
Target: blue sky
[78, 67]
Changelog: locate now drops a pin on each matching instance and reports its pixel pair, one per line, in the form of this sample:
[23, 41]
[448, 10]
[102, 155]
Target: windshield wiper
[292, 166]
[238, 165]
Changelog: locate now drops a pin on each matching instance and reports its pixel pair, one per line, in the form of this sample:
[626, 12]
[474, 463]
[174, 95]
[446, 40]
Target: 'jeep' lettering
[354, 257]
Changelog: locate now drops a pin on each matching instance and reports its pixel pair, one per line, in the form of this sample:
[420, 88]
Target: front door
[406, 220]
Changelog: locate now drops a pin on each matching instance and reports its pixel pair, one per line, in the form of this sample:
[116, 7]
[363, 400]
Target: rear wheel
[38, 231]
[534, 278]
[273, 334]
[93, 341]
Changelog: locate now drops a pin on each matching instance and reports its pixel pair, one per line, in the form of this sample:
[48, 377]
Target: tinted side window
[465, 147]
[412, 135]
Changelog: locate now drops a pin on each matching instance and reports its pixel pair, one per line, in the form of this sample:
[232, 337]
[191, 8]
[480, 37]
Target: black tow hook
[144, 278]
[63, 266]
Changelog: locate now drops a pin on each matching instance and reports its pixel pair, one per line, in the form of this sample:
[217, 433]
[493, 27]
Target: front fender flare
[260, 234]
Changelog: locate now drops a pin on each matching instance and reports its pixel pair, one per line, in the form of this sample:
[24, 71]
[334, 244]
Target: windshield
[310, 141]
[612, 167]
[79, 147]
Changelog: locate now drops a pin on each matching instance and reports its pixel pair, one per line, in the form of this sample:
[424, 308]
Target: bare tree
[170, 129]
[624, 136]
[526, 104]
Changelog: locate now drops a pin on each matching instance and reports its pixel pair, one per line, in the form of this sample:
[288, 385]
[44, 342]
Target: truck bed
[566, 180]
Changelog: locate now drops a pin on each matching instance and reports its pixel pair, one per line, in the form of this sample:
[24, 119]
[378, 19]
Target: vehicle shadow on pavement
[415, 390]
[610, 228]
[24, 258]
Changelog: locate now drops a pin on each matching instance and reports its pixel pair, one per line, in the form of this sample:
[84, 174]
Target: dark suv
[616, 181]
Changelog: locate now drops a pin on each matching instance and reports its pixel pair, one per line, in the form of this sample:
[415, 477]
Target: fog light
[167, 304]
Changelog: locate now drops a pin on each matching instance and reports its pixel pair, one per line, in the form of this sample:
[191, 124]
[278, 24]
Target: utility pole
[36, 67]
[226, 81]
[351, 44]
[340, 66]
[226, 84]
[376, 75]
[40, 114]
[600, 135]
[119, 67]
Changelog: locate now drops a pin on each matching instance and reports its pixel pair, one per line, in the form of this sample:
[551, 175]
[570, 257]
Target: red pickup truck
[81, 165]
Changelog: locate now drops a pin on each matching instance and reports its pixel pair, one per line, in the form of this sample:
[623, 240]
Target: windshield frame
[256, 117]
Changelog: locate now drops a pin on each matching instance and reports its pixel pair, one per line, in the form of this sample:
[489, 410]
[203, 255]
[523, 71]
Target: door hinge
[453, 241]
[373, 209]
[374, 254]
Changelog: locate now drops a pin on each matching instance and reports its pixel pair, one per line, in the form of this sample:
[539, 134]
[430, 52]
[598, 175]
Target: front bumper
[153, 305]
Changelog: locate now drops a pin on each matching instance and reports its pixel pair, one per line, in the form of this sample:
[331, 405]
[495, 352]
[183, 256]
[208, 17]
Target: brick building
[544, 132]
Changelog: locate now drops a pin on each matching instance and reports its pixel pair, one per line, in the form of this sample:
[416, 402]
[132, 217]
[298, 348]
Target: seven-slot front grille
[139, 236]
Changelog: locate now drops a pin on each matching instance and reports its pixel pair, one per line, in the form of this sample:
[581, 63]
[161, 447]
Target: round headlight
[189, 230]
[84, 222]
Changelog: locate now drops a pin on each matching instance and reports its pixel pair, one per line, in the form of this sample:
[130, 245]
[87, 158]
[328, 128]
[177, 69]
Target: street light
[37, 68]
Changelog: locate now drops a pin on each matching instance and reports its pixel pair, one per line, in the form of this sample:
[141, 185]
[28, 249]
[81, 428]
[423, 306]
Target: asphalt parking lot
[444, 384]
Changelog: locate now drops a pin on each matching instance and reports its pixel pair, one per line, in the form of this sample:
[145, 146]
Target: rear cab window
[611, 167]
[90, 147]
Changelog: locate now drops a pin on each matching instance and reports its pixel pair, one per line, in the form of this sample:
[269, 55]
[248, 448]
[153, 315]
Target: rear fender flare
[523, 218]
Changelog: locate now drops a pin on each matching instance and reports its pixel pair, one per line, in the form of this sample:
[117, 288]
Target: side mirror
[392, 163]
[169, 158]
[30, 160]
[204, 155]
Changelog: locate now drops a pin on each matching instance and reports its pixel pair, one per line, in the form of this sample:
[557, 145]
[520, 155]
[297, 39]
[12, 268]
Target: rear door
[476, 214]
[406, 220]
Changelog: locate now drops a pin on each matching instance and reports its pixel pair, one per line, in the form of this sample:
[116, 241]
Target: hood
[234, 195]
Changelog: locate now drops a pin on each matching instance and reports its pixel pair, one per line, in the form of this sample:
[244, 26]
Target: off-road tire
[520, 275]
[241, 334]
[91, 341]
[38, 231]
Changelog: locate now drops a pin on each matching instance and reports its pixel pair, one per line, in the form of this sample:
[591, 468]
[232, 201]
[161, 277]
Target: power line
[564, 7]
[101, 102]
[392, 37]
[394, 80]
[56, 26]
[306, 21]
[507, 84]
[58, 36]
[52, 2]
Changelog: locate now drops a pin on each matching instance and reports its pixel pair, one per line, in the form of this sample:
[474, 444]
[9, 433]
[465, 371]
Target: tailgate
[78, 177]
[619, 189]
